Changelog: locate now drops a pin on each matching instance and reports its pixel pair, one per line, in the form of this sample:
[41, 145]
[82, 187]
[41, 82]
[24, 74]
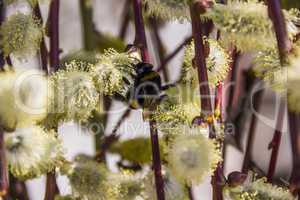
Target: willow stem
[51, 185]
[276, 15]
[2, 13]
[206, 107]
[54, 35]
[284, 47]
[160, 47]
[17, 189]
[275, 143]
[110, 139]
[140, 33]
[141, 42]
[125, 21]
[169, 57]
[88, 27]
[43, 48]
[4, 182]
[295, 138]
[234, 54]
[257, 101]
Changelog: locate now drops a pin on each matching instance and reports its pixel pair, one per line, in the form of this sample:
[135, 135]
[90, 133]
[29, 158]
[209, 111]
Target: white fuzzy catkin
[32, 152]
[24, 95]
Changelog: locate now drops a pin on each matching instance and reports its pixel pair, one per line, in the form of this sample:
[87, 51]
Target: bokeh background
[108, 18]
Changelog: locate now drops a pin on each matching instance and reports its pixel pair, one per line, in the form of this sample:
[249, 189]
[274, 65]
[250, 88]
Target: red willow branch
[160, 46]
[125, 21]
[235, 77]
[284, 47]
[2, 59]
[295, 138]
[17, 189]
[234, 54]
[51, 185]
[275, 143]
[54, 35]
[113, 137]
[43, 48]
[141, 42]
[4, 182]
[257, 102]
[230, 79]
[174, 53]
[276, 15]
[140, 32]
[206, 107]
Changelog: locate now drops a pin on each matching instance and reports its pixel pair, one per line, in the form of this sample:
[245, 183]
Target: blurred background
[108, 16]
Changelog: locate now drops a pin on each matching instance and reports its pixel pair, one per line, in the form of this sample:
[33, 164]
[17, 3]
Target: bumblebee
[147, 89]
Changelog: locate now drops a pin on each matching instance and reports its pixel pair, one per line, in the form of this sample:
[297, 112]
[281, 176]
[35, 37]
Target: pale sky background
[107, 17]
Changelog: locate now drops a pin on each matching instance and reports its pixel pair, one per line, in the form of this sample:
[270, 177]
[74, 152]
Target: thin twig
[206, 107]
[141, 42]
[276, 15]
[125, 21]
[140, 32]
[234, 54]
[257, 102]
[160, 47]
[2, 59]
[174, 53]
[51, 185]
[54, 35]
[4, 183]
[113, 137]
[43, 48]
[17, 189]
[275, 143]
[88, 27]
[284, 47]
[159, 182]
[295, 138]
